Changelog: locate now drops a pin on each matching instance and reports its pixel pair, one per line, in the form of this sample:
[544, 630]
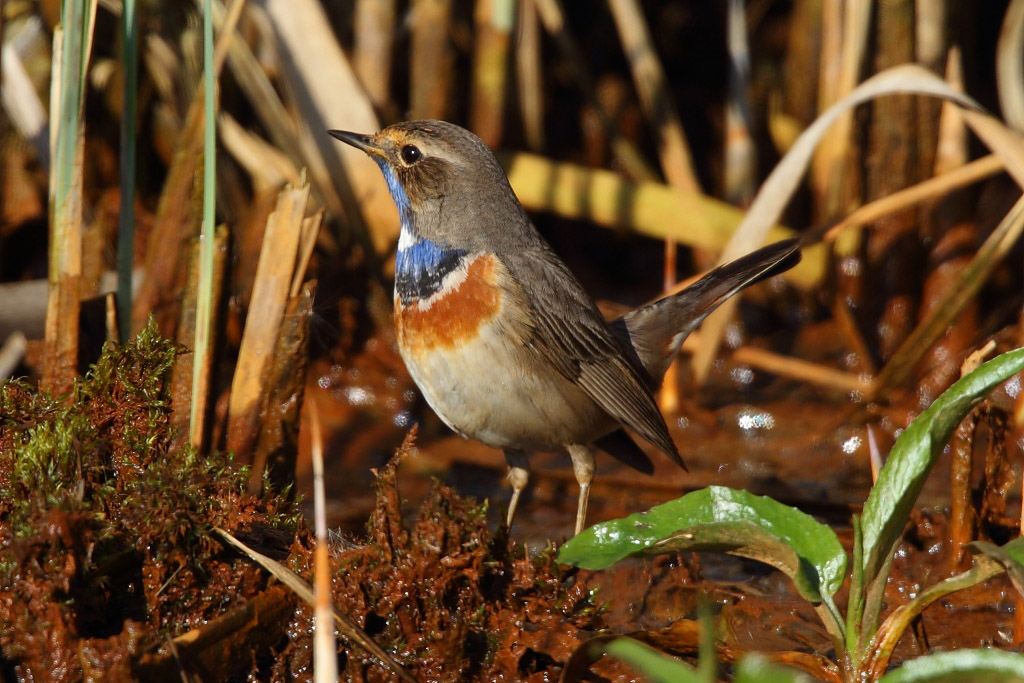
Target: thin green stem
[126, 222]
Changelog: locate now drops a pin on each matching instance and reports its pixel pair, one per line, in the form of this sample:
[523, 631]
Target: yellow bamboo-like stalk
[652, 209]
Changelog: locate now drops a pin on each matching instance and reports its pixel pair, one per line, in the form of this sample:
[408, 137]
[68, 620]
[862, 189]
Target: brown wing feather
[572, 337]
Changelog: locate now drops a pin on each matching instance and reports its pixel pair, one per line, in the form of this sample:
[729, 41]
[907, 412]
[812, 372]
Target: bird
[500, 337]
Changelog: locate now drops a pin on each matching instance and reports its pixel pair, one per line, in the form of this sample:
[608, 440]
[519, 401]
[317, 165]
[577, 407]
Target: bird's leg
[583, 467]
[518, 475]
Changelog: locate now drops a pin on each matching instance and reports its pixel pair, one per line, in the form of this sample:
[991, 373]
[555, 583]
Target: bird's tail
[656, 330]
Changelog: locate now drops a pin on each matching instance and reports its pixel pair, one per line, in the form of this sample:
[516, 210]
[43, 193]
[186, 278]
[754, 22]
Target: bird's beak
[359, 141]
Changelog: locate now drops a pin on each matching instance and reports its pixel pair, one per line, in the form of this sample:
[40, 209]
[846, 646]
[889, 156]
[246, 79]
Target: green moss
[101, 459]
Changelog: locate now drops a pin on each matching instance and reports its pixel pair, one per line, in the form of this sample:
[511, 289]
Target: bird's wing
[571, 336]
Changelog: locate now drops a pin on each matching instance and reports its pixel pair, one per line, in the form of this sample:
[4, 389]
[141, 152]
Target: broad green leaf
[726, 520]
[991, 666]
[653, 664]
[754, 668]
[911, 458]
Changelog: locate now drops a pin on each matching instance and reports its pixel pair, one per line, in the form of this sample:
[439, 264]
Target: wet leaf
[756, 669]
[991, 666]
[911, 458]
[892, 629]
[725, 520]
[655, 665]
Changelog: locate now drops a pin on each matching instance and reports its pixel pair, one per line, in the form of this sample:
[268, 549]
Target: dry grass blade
[938, 186]
[325, 647]
[1010, 65]
[346, 626]
[784, 179]
[328, 95]
[652, 209]
[274, 273]
[903, 362]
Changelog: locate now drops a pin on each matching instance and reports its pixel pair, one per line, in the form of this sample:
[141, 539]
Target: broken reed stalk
[202, 351]
[72, 45]
[126, 216]
[175, 223]
[272, 286]
[493, 23]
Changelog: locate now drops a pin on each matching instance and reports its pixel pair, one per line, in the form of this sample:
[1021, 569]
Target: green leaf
[1010, 557]
[991, 666]
[754, 668]
[652, 664]
[726, 520]
[911, 458]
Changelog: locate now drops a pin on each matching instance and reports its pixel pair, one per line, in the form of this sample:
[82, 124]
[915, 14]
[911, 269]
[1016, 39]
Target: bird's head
[447, 184]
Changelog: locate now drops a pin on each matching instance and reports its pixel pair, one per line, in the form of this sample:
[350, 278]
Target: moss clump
[104, 529]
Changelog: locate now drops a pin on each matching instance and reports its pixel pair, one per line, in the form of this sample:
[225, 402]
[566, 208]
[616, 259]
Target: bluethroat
[501, 338]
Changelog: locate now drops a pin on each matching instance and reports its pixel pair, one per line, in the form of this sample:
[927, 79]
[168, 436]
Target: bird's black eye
[411, 154]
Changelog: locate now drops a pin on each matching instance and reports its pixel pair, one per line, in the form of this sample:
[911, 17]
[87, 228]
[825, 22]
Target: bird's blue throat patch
[421, 267]
[397, 191]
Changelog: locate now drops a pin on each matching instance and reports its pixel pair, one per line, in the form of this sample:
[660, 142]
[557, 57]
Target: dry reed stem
[199, 389]
[325, 647]
[491, 41]
[553, 20]
[1010, 65]
[273, 281]
[528, 70]
[793, 368]
[673, 150]
[430, 59]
